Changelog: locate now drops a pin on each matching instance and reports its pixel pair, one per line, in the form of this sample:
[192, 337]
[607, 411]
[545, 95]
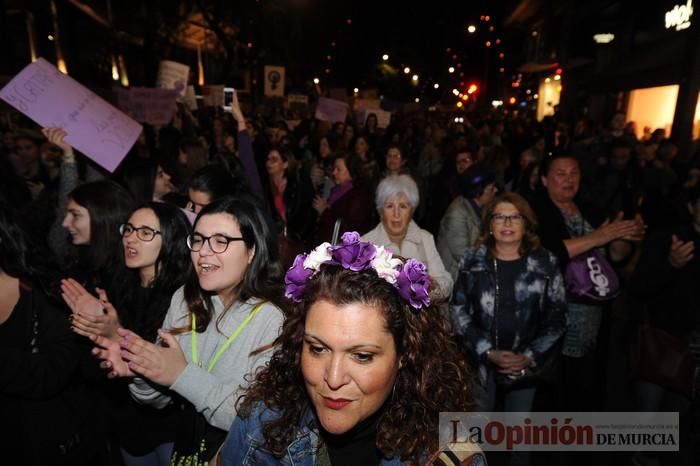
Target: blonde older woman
[396, 200]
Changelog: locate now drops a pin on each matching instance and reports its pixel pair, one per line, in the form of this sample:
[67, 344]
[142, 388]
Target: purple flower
[296, 278]
[413, 283]
[353, 254]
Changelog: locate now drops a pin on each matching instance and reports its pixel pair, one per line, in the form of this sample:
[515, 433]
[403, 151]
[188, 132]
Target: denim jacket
[540, 301]
[244, 445]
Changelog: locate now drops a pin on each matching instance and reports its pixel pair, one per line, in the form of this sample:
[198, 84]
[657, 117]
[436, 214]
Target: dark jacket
[355, 209]
[49, 410]
[301, 217]
[671, 295]
[540, 299]
[553, 231]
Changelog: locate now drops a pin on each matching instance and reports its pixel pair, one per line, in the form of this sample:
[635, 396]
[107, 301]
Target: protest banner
[147, 105]
[53, 99]
[173, 75]
[213, 95]
[274, 81]
[191, 98]
[383, 117]
[331, 110]
[361, 104]
[338, 93]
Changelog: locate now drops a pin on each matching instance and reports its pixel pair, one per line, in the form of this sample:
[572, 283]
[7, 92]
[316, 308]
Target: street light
[385, 57]
[471, 29]
[436, 85]
[451, 69]
[414, 77]
[407, 70]
[316, 81]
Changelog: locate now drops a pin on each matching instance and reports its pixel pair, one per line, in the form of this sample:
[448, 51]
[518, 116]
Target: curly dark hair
[433, 376]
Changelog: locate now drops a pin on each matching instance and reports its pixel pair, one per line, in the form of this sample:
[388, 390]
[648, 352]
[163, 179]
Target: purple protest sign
[53, 99]
[331, 110]
[147, 105]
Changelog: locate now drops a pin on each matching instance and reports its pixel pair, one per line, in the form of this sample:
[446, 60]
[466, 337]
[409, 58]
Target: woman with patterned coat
[509, 304]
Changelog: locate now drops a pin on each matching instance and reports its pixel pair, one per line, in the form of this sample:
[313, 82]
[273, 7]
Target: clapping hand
[319, 204]
[630, 230]
[161, 364]
[680, 252]
[90, 316]
[110, 353]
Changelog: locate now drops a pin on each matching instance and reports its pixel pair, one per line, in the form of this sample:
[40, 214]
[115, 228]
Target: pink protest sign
[52, 99]
[147, 105]
[331, 110]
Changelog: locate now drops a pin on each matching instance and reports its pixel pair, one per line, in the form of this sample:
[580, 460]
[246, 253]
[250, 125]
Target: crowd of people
[433, 265]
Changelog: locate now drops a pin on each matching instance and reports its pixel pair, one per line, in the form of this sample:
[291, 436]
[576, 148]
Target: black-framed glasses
[217, 243]
[515, 219]
[142, 233]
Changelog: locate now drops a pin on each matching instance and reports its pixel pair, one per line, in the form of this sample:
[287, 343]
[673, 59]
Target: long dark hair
[15, 246]
[102, 261]
[140, 179]
[263, 276]
[428, 381]
[173, 268]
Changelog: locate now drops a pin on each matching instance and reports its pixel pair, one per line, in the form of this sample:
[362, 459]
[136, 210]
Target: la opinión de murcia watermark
[553, 431]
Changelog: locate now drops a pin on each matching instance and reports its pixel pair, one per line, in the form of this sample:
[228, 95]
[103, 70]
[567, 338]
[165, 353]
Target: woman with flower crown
[360, 372]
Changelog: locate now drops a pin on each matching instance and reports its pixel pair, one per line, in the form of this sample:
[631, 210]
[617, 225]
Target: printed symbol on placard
[274, 78]
[600, 281]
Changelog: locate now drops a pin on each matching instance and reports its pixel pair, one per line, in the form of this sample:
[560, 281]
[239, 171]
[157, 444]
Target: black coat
[48, 415]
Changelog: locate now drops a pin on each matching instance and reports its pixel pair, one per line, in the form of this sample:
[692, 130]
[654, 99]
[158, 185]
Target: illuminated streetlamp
[316, 81]
[471, 29]
[407, 70]
[385, 57]
[436, 86]
[414, 77]
[451, 69]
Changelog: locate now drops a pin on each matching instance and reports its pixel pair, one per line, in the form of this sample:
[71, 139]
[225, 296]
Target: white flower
[317, 257]
[386, 265]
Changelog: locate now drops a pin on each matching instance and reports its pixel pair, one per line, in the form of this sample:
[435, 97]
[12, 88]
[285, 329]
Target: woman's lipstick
[335, 403]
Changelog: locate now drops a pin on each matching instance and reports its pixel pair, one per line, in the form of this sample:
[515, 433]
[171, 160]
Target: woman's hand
[90, 316]
[630, 230]
[508, 362]
[79, 300]
[110, 353]
[237, 113]
[160, 364]
[56, 135]
[680, 253]
[319, 204]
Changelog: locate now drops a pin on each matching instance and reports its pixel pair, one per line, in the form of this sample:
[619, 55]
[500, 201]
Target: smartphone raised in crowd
[229, 92]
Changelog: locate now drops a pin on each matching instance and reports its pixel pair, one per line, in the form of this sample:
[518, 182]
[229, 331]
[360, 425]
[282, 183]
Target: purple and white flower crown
[410, 278]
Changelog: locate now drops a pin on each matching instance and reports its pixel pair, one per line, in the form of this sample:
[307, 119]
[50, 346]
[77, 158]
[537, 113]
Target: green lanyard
[234, 335]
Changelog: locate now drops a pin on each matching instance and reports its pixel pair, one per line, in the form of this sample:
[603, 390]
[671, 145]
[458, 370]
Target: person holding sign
[218, 329]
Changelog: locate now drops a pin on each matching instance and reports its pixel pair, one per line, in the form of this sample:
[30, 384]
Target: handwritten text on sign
[52, 99]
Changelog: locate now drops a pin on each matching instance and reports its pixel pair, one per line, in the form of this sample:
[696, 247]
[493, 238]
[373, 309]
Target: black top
[141, 428]
[508, 271]
[357, 447]
[52, 419]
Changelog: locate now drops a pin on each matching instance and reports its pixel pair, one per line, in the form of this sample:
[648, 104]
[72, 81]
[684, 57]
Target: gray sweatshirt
[214, 394]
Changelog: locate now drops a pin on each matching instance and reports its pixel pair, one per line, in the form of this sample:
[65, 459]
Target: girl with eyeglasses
[509, 308]
[154, 251]
[219, 328]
